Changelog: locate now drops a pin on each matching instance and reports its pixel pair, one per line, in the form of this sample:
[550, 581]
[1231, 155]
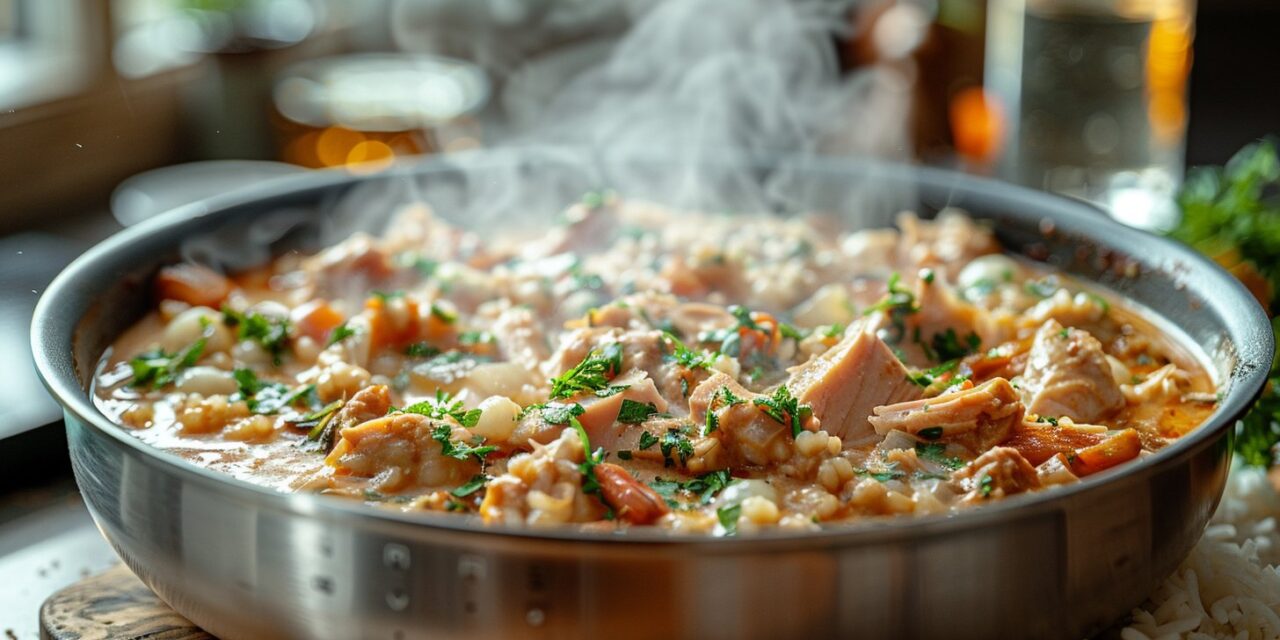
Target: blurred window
[43, 46]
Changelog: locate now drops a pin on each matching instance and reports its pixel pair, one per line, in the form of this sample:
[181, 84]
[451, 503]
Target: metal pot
[246, 562]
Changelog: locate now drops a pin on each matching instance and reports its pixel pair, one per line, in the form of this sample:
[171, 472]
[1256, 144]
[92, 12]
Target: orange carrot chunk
[1117, 448]
[316, 319]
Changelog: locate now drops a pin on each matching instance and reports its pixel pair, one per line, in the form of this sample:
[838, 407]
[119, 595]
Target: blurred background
[111, 111]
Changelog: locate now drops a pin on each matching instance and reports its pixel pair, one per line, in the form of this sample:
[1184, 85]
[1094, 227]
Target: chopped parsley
[712, 424]
[948, 346]
[930, 433]
[592, 374]
[624, 454]
[725, 397]
[929, 376]
[442, 314]
[705, 486]
[158, 368]
[785, 409]
[266, 397]
[633, 412]
[898, 303]
[561, 413]
[444, 406]
[590, 483]
[730, 338]
[421, 350]
[789, 331]
[686, 357]
[476, 483]
[475, 337]
[647, 440]
[443, 433]
[985, 485]
[340, 333]
[728, 517]
[1047, 419]
[271, 333]
[936, 452]
[673, 441]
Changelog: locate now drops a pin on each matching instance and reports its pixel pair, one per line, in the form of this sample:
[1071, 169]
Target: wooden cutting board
[113, 605]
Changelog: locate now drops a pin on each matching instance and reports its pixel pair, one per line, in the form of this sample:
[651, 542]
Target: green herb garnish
[271, 333]
[785, 409]
[561, 413]
[674, 441]
[476, 483]
[266, 398]
[936, 452]
[728, 517]
[157, 368]
[444, 406]
[340, 333]
[633, 412]
[647, 440]
[443, 433]
[421, 350]
[592, 374]
[930, 433]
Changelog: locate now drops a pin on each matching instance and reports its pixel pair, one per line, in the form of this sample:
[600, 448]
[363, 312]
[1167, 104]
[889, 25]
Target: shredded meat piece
[1068, 375]
[998, 473]
[976, 418]
[748, 435]
[398, 452]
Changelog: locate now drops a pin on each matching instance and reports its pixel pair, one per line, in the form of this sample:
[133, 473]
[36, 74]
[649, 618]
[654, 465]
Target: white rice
[1229, 587]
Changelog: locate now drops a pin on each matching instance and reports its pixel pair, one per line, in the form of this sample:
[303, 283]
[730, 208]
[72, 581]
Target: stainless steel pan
[245, 562]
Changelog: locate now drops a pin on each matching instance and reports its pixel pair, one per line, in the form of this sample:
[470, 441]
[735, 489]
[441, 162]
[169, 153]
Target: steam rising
[694, 107]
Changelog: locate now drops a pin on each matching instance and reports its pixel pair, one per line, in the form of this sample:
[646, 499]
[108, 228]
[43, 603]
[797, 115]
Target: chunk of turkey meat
[845, 384]
[1067, 374]
[998, 473]
[977, 418]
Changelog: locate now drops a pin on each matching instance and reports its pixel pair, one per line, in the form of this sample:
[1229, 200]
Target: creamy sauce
[734, 373]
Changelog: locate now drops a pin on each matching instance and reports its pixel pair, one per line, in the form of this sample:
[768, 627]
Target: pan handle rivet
[397, 600]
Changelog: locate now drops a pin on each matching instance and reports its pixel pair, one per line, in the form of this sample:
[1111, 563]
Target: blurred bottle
[1095, 96]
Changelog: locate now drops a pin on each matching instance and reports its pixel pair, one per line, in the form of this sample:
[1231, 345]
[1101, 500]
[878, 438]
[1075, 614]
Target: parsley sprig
[705, 486]
[444, 406]
[266, 398]
[158, 368]
[458, 450]
[592, 374]
[269, 332]
[785, 409]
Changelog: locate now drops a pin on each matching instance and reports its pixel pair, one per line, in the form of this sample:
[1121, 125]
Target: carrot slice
[384, 330]
[1117, 448]
[193, 284]
[316, 319]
